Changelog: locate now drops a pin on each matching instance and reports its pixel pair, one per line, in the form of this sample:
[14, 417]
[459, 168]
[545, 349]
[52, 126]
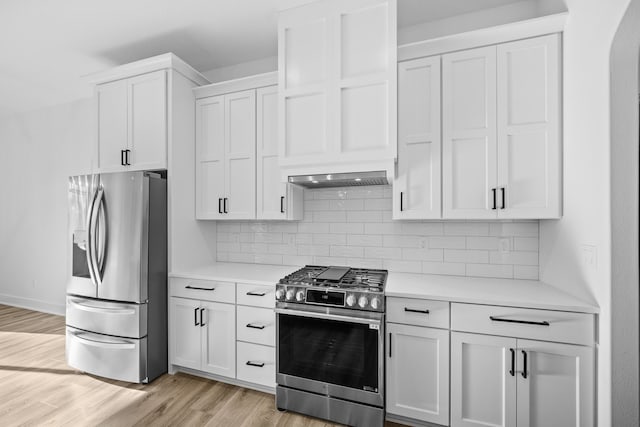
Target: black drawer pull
[199, 288]
[252, 326]
[256, 364]
[525, 322]
[256, 294]
[413, 310]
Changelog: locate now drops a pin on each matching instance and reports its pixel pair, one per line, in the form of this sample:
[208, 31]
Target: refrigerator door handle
[102, 234]
[98, 309]
[90, 238]
[111, 343]
[93, 234]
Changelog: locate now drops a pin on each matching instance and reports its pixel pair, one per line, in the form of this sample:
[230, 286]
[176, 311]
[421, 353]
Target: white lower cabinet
[203, 336]
[257, 364]
[418, 373]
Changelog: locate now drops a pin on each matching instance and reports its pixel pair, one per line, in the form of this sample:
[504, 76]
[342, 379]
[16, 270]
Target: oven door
[331, 352]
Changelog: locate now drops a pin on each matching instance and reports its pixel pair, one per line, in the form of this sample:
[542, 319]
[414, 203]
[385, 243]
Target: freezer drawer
[105, 317]
[121, 359]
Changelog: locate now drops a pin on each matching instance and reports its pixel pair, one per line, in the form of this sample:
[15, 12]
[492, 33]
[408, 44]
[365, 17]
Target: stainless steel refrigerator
[116, 312]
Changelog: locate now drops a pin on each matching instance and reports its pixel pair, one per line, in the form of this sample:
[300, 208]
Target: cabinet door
[483, 389]
[219, 339]
[185, 333]
[271, 191]
[529, 127]
[469, 133]
[416, 189]
[148, 121]
[210, 147]
[558, 388]
[418, 373]
[112, 125]
[240, 155]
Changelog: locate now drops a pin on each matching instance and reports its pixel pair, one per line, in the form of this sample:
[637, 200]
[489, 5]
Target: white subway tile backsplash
[354, 226]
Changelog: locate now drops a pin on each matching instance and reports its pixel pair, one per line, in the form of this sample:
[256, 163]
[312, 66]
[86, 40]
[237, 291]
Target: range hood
[347, 179]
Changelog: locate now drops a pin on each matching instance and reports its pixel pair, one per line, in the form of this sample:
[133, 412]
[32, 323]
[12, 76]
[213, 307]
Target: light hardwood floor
[38, 388]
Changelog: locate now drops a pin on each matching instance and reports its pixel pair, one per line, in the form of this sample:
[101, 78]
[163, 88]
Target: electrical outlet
[291, 239]
[423, 242]
[589, 256]
[504, 245]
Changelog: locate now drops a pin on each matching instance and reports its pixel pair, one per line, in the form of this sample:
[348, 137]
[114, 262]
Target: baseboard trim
[32, 304]
[233, 381]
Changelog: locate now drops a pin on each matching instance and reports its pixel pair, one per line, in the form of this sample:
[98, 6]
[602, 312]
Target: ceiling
[47, 46]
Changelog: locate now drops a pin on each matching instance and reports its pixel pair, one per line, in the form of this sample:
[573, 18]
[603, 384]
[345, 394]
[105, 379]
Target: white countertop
[475, 290]
[255, 274]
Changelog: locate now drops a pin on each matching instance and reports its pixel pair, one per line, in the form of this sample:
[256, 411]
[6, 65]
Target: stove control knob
[375, 303]
[290, 294]
[363, 301]
[351, 300]
[300, 296]
[279, 293]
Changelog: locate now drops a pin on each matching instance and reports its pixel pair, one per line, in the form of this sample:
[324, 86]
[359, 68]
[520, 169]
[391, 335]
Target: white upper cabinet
[337, 62]
[225, 156]
[274, 199]
[416, 188]
[501, 131]
[132, 123]
[529, 160]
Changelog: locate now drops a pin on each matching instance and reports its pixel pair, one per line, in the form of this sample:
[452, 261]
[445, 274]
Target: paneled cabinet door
[240, 155]
[210, 174]
[416, 189]
[147, 96]
[219, 338]
[418, 373]
[186, 332]
[529, 128]
[483, 384]
[469, 133]
[555, 385]
[112, 107]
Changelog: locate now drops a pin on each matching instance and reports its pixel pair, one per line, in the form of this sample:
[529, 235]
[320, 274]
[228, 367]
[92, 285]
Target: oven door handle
[328, 316]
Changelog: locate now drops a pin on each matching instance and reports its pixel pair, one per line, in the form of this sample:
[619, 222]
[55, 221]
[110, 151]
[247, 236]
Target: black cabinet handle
[195, 316]
[502, 191]
[525, 322]
[390, 346]
[122, 157]
[493, 190]
[524, 367]
[219, 204]
[256, 294]
[252, 326]
[281, 204]
[199, 288]
[413, 310]
[512, 371]
[224, 204]
[256, 364]
[201, 321]
[401, 201]
[126, 157]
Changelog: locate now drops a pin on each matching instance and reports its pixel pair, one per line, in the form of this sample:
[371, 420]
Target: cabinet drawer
[418, 312]
[256, 295]
[256, 364]
[544, 325]
[207, 290]
[256, 325]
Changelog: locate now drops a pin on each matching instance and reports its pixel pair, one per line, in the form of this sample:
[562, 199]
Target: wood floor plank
[38, 388]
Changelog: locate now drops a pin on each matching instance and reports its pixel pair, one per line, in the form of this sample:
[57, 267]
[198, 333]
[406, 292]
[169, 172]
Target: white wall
[244, 69]
[625, 57]
[518, 11]
[39, 150]
[587, 177]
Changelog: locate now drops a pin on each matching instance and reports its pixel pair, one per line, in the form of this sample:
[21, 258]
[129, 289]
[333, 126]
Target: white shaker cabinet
[501, 131]
[186, 336]
[132, 123]
[416, 188]
[225, 156]
[275, 199]
[337, 81]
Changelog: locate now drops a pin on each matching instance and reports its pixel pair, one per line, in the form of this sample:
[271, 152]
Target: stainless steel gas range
[330, 344]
